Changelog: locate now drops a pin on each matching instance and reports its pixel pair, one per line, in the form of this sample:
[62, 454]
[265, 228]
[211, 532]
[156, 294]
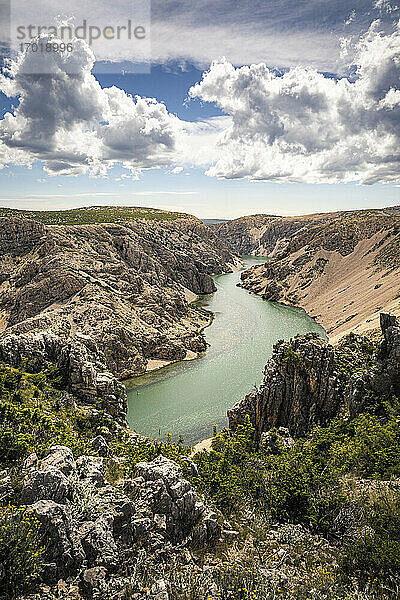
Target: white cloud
[75, 126]
[306, 127]
[282, 34]
[386, 6]
[198, 141]
[299, 127]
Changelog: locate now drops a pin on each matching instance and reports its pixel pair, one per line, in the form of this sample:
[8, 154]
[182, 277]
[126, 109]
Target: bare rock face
[342, 268]
[61, 458]
[382, 380]
[300, 388]
[64, 548]
[308, 382]
[50, 484]
[91, 469]
[100, 301]
[267, 235]
[98, 543]
[90, 527]
[174, 503]
[18, 237]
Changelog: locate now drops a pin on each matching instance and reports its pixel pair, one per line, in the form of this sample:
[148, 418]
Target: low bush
[21, 550]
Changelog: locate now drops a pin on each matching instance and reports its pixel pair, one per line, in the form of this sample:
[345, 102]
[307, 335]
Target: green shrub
[21, 550]
[300, 488]
[372, 552]
[230, 472]
[371, 448]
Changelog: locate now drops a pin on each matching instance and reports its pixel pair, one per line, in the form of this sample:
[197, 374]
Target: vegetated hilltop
[342, 268]
[94, 214]
[105, 298]
[90, 510]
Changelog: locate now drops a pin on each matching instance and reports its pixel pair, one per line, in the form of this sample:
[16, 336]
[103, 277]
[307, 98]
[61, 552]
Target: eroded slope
[343, 271]
[108, 297]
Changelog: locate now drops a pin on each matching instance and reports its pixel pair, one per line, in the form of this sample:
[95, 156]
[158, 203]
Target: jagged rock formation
[299, 388]
[93, 528]
[104, 300]
[308, 382]
[342, 268]
[266, 235]
[383, 379]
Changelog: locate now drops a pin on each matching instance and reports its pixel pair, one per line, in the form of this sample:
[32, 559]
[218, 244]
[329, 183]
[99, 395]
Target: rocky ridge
[308, 382]
[265, 235]
[96, 529]
[342, 268]
[105, 301]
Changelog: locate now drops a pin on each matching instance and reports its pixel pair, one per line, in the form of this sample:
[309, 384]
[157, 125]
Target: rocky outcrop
[300, 388]
[103, 300]
[174, 504]
[17, 238]
[88, 524]
[64, 550]
[81, 364]
[308, 382]
[382, 381]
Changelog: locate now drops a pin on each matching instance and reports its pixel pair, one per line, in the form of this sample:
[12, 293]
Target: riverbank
[342, 292]
[188, 398]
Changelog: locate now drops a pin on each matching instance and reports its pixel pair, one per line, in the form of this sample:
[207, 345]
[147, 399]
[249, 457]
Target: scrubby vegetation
[21, 549]
[93, 214]
[340, 482]
[315, 519]
[35, 414]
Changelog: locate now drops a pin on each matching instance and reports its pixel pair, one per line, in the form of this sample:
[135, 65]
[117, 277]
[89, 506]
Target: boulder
[91, 468]
[98, 543]
[50, 484]
[92, 579]
[176, 508]
[100, 446]
[6, 488]
[159, 590]
[62, 545]
[60, 457]
[276, 440]
[121, 509]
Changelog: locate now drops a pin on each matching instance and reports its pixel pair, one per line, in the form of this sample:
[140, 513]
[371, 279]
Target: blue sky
[264, 155]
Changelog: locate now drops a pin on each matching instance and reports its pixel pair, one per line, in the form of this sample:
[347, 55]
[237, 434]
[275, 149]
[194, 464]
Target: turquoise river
[187, 398]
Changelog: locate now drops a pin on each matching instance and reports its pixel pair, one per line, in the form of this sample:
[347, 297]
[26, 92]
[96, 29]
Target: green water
[189, 397]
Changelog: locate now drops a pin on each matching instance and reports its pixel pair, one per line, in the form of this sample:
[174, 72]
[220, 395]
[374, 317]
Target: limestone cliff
[341, 268]
[265, 235]
[104, 298]
[308, 382]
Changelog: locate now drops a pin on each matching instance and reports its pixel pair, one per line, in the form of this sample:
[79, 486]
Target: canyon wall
[106, 300]
[342, 268]
[308, 382]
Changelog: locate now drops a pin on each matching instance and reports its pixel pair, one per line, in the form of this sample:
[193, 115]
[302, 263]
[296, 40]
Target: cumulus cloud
[72, 124]
[306, 127]
[294, 126]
